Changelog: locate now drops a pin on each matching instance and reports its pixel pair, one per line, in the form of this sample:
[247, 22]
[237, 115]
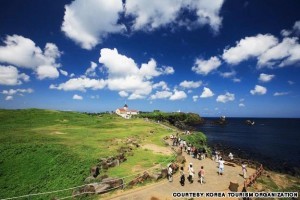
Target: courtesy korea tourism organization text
[235, 194]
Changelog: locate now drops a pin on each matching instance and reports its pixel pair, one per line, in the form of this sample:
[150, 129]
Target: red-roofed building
[125, 112]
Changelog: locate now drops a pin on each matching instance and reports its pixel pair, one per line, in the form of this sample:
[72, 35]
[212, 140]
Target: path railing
[251, 179]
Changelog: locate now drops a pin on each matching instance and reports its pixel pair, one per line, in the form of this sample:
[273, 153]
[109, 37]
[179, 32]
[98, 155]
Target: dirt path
[163, 190]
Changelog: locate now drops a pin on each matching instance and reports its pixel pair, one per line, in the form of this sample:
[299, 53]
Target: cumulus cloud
[80, 84]
[125, 75]
[136, 96]
[17, 91]
[9, 98]
[249, 47]
[195, 98]
[283, 54]
[63, 72]
[280, 93]
[123, 94]
[162, 84]
[177, 95]
[77, 97]
[88, 22]
[91, 71]
[236, 80]
[161, 95]
[22, 52]
[228, 74]
[11, 92]
[168, 70]
[258, 90]
[241, 105]
[266, 77]
[204, 67]
[206, 93]
[190, 84]
[9, 75]
[296, 27]
[225, 97]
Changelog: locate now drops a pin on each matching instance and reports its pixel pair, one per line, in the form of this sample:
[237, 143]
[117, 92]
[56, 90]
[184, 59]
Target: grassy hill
[44, 150]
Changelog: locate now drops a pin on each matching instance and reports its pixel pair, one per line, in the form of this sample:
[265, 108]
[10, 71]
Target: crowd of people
[199, 153]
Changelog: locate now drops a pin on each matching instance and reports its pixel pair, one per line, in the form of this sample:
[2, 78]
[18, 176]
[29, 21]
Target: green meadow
[45, 150]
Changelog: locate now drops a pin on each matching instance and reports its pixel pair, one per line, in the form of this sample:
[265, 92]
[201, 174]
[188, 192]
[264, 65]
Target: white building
[125, 112]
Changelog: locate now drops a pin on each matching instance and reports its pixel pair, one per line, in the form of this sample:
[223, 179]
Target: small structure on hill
[126, 113]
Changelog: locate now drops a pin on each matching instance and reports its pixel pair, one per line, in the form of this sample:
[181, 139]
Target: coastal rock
[90, 179]
[89, 189]
[101, 188]
[113, 182]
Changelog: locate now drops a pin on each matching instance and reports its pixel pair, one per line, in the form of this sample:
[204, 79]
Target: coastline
[279, 166]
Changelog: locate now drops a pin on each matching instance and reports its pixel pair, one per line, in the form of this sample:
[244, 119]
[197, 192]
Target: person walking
[170, 173]
[244, 170]
[221, 166]
[191, 173]
[201, 175]
[182, 177]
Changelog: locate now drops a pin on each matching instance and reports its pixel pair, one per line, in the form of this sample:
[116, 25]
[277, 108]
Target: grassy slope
[44, 150]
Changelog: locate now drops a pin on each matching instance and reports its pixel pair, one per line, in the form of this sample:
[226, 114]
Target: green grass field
[44, 150]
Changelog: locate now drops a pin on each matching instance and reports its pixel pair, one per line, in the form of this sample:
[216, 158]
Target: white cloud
[17, 91]
[163, 85]
[88, 22]
[161, 95]
[226, 97]
[204, 67]
[291, 82]
[80, 84]
[190, 84]
[249, 47]
[168, 70]
[125, 75]
[283, 54]
[133, 84]
[117, 65]
[9, 98]
[77, 97]
[63, 72]
[228, 74]
[236, 80]
[150, 15]
[285, 32]
[296, 27]
[47, 71]
[136, 96]
[91, 71]
[195, 98]
[266, 77]
[178, 95]
[149, 70]
[95, 97]
[206, 93]
[259, 90]
[241, 105]
[22, 52]
[280, 93]
[9, 75]
[123, 94]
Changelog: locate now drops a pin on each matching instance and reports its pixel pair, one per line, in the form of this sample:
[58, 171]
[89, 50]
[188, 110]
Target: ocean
[273, 142]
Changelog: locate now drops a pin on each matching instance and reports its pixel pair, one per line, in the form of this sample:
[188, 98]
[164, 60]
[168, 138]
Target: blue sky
[235, 58]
